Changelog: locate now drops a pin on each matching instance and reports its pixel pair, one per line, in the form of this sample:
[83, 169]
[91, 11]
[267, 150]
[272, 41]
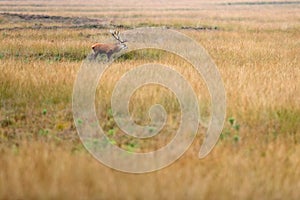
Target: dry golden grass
[254, 170]
[256, 49]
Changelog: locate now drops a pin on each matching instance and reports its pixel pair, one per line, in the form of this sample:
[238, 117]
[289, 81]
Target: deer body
[109, 49]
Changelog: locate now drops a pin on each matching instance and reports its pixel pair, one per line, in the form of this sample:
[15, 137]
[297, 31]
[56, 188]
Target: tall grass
[257, 156]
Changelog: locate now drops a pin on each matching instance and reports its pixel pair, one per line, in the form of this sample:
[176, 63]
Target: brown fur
[108, 49]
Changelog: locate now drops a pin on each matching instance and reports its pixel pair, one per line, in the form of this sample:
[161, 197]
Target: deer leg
[95, 55]
[109, 56]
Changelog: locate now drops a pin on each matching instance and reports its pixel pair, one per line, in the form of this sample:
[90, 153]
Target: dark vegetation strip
[149, 55]
[88, 26]
[46, 56]
[108, 26]
[48, 18]
[79, 23]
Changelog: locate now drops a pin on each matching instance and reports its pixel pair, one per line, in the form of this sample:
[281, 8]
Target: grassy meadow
[256, 46]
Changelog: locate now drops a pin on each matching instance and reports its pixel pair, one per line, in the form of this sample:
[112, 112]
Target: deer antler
[116, 35]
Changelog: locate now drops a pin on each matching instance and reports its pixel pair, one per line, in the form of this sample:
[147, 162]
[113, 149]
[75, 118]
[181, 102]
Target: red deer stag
[109, 49]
